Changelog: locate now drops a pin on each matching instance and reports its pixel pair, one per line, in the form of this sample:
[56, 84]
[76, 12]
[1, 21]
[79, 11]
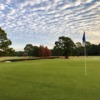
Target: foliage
[20, 53]
[29, 49]
[65, 44]
[4, 44]
[70, 49]
[37, 51]
[44, 51]
[91, 49]
[57, 51]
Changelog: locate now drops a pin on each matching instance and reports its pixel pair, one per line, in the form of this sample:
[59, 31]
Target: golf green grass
[50, 79]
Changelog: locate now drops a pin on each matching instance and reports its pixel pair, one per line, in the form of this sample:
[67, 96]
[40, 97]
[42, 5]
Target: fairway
[50, 79]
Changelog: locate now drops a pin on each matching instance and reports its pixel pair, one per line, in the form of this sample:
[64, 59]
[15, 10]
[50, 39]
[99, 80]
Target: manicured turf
[53, 79]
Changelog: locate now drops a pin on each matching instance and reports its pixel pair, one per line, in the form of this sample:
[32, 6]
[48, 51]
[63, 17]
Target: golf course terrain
[50, 79]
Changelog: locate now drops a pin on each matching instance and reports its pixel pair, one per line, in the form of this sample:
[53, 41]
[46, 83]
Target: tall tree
[4, 43]
[41, 51]
[35, 51]
[44, 51]
[47, 52]
[88, 47]
[78, 48]
[57, 51]
[66, 44]
[29, 49]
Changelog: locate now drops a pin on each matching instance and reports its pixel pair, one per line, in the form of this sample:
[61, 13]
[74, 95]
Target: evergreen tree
[4, 43]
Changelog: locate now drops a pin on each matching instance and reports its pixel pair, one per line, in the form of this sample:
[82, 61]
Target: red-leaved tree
[44, 51]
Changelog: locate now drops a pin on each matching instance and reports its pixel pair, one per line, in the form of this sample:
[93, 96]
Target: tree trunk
[66, 57]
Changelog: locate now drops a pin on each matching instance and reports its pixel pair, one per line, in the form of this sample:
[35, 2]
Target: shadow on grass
[27, 59]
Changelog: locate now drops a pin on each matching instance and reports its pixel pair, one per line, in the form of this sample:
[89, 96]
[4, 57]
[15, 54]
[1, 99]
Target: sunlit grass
[53, 79]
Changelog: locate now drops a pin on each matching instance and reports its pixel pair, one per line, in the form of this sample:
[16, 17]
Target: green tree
[78, 48]
[4, 43]
[66, 44]
[19, 53]
[35, 51]
[88, 47]
[57, 51]
[29, 49]
[10, 52]
[78, 44]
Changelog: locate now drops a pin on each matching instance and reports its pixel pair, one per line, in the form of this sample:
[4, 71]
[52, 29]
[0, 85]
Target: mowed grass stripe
[54, 79]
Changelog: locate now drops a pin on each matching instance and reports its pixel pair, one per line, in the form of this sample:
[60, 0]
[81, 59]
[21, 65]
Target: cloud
[12, 12]
[2, 6]
[43, 21]
[8, 1]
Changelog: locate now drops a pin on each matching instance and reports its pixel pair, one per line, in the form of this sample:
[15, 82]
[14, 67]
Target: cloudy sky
[43, 21]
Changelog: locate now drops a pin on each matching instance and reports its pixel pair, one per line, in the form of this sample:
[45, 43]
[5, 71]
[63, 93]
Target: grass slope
[54, 79]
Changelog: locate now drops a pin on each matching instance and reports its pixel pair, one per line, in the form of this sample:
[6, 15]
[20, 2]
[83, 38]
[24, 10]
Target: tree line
[64, 46]
[77, 50]
[40, 51]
